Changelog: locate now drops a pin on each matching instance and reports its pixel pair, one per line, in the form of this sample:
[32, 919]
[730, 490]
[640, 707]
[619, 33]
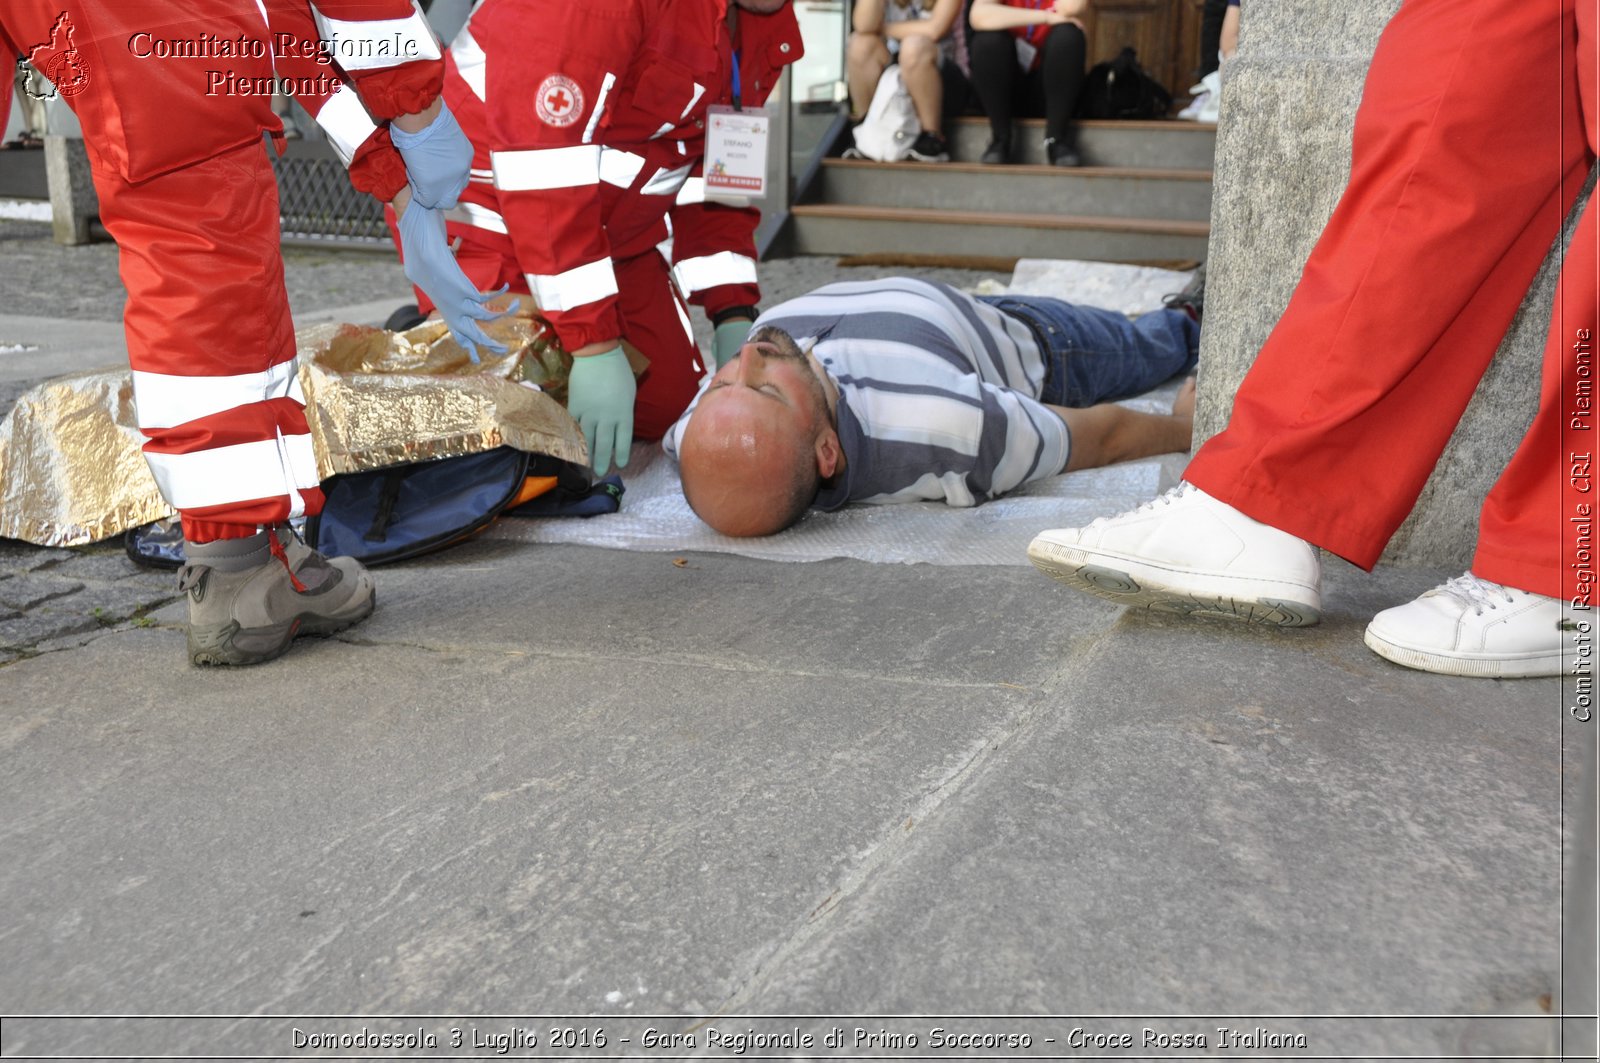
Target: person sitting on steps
[1035, 52]
[915, 34]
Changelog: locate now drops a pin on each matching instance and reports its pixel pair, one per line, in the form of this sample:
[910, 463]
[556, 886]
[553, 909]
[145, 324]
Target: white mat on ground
[655, 517]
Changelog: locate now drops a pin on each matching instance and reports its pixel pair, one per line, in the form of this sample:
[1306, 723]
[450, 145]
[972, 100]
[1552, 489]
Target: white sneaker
[1185, 552]
[1196, 106]
[1207, 103]
[1470, 626]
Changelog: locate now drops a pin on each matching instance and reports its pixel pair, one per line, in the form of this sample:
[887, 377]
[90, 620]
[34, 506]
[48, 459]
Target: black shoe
[930, 147]
[405, 318]
[1192, 300]
[998, 153]
[1062, 153]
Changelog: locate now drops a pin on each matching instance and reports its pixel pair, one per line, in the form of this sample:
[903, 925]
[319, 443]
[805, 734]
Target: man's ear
[830, 455]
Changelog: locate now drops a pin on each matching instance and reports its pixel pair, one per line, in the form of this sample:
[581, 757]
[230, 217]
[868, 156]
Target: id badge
[736, 153]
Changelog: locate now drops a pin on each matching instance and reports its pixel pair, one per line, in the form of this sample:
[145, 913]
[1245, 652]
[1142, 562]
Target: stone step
[964, 186]
[847, 229]
[1154, 145]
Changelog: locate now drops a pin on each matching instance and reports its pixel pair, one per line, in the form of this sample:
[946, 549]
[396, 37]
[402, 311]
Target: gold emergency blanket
[71, 469]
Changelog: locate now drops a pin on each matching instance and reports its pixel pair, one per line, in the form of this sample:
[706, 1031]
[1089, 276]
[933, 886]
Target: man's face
[770, 381]
[759, 439]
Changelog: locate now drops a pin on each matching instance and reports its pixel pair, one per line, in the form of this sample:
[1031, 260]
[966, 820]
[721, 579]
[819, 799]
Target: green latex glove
[728, 338]
[600, 398]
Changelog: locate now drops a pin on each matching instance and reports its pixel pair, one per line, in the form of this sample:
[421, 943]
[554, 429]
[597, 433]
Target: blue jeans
[1093, 355]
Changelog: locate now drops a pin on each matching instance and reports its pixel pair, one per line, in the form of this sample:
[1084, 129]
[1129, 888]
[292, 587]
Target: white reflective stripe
[345, 120]
[373, 44]
[487, 175]
[164, 400]
[620, 168]
[475, 215]
[599, 105]
[688, 326]
[663, 131]
[710, 271]
[265, 468]
[665, 246]
[297, 501]
[667, 182]
[699, 91]
[267, 22]
[693, 191]
[470, 61]
[534, 169]
[575, 287]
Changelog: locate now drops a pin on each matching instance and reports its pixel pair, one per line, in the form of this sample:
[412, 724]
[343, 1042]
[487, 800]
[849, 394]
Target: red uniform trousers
[1477, 128]
[187, 191]
[211, 343]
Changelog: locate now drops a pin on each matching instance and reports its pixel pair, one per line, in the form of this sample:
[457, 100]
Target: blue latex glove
[438, 159]
[600, 394]
[431, 267]
[729, 337]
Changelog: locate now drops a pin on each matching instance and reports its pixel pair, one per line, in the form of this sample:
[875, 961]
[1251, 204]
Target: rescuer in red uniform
[589, 128]
[171, 104]
[1478, 126]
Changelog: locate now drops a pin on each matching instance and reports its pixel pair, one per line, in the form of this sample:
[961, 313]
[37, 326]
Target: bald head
[760, 440]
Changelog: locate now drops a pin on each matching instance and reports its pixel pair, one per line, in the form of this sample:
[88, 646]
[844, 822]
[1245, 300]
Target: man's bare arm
[1108, 433]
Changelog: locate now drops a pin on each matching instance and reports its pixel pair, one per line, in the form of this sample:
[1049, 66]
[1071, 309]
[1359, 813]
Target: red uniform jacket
[588, 122]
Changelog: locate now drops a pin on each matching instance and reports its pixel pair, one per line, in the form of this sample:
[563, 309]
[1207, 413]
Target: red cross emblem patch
[59, 61]
[559, 101]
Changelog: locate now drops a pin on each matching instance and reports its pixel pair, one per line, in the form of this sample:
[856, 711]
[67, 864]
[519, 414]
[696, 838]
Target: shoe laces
[276, 546]
[1183, 490]
[189, 575]
[1479, 594]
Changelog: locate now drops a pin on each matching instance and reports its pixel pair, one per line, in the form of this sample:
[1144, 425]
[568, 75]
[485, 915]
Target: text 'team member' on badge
[736, 152]
[559, 101]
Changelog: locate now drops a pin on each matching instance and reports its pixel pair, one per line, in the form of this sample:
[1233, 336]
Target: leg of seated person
[1063, 64]
[865, 60]
[919, 67]
[994, 80]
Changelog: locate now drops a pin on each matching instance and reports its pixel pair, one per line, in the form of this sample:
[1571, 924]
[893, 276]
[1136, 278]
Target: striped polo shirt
[938, 392]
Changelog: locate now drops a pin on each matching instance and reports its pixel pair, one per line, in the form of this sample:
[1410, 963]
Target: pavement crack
[690, 661]
[895, 840]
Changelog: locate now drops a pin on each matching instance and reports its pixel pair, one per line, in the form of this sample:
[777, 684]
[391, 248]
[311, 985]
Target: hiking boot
[1470, 626]
[250, 598]
[998, 153]
[1062, 153]
[1186, 552]
[930, 147]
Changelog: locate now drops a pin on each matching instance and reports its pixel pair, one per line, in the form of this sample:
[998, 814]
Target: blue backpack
[407, 510]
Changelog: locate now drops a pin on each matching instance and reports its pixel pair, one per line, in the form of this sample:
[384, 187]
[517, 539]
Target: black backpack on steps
[1122, 89]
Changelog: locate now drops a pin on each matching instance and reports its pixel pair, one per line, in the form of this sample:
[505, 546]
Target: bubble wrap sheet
[655, 517]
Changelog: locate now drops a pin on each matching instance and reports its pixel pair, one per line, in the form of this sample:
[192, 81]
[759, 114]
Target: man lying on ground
[901, 390]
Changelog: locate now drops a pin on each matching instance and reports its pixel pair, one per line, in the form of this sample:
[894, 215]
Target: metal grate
[316, 202]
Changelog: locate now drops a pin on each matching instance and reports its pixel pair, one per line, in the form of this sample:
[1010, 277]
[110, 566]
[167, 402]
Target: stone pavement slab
[1216, 820]
[389, 828]
[568, 780]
